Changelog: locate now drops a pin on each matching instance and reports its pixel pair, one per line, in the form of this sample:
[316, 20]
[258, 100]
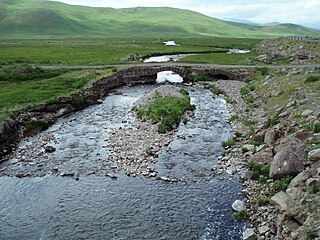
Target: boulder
[264, 156]
[286, 162]
[271, 136]
[281, 200]
[292, 142]
[249, 234]
[238, 206]
[314, 155]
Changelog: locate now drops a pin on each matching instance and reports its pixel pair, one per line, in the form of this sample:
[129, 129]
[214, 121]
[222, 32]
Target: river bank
[269, 122]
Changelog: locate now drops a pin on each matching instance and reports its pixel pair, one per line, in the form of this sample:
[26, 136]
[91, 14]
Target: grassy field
[101, 51]
[222, 58]
[16, 93]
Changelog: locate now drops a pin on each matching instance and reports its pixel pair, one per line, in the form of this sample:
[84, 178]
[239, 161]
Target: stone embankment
[284, 202]
[47, 113]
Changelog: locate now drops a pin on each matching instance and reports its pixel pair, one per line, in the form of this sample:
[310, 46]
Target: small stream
[44, 205]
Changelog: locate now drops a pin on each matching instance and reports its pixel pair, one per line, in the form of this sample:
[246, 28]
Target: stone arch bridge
[148, 74]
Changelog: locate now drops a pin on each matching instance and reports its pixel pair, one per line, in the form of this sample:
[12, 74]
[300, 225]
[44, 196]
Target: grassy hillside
[39, 18]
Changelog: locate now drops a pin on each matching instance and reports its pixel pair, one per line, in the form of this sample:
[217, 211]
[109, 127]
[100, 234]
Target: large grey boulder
[290, 158]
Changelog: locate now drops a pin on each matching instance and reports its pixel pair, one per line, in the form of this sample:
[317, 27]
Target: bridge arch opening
[220, 76]
[168, 77]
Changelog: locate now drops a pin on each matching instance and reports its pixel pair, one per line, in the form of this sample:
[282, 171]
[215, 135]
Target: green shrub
[234, 118]
[244, 91]
[314, 188]
[150, 152]
[260, 172]
[229, 143]
[272, 121]
[249, 99]
[315, 127]
[238, 134]
[244, 150]
[215, 90]
[262, 201]
[34, 124]
[240, 215]
[167, 111]
[282, 183]
[312, 78]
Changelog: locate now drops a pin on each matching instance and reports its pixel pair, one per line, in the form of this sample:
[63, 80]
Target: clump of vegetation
[247, 89]
[312, 78]
[249, 99]
[240, 215]
[262, 201]
[150, 152]
[238, 134]
[272, 121]
[260, 172]
[247, 121]
[24, 73]
[234, 118]
[256, 143]
[215, 90]
[282, 183]
[312, 236]
[263, 71]
[314, 188]
[315, 127]
[35, 124]
[78, 100]
[166, 111]
[229, 143]
[205, 78]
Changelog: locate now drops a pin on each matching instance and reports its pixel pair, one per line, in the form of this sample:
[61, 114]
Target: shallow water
[46, 206]
[167, 58]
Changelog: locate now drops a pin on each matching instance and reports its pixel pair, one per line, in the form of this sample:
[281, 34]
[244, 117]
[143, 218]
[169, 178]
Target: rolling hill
[41, 18]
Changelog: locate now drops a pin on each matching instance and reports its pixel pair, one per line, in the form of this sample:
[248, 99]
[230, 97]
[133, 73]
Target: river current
[46, 206]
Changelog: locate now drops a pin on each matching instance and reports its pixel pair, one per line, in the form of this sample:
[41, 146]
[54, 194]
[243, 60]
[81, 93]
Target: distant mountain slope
[33, 18]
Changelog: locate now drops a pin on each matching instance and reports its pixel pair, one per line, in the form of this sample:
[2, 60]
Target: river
[42, 204]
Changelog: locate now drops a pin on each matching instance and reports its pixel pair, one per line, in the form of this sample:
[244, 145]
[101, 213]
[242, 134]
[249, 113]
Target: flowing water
[45, 205]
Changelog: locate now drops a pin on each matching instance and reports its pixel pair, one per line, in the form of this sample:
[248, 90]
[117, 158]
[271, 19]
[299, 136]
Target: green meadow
[102, 51]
